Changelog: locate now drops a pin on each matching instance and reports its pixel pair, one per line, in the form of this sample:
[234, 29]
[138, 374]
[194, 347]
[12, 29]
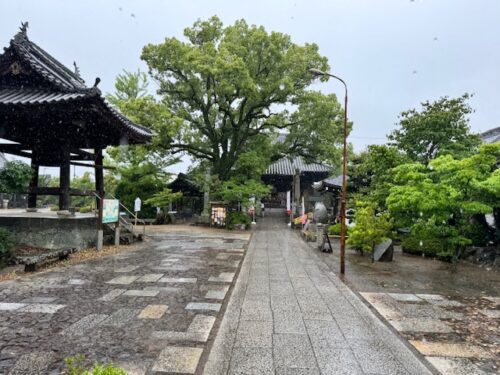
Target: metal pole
[317, 72]
[344, 191]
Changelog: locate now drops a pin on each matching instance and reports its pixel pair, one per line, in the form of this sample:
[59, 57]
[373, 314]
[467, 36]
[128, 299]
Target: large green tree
[224, 86]
[440, 128]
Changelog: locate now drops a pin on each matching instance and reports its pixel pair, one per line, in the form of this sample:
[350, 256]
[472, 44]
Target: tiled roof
[63, 85]
[491, 136]
[46, 65]
[287, 166]
[34, 96]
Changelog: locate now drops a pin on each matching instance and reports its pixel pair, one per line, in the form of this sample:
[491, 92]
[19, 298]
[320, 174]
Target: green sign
[110, 210]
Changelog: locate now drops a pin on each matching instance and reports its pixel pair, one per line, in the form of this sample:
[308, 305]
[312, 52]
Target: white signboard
[137, 204]
[288, 193]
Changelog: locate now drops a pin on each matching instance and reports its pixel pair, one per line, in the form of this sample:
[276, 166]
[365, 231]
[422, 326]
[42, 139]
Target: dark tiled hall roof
[287, 166]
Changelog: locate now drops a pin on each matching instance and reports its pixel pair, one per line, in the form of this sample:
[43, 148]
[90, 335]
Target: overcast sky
[393, 54]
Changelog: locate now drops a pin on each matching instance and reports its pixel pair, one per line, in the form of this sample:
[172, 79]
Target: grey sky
[393, 54]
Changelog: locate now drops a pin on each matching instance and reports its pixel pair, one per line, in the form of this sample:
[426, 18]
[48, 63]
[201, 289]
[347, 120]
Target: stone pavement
[150, 311]
[290, 314]
[458, 335]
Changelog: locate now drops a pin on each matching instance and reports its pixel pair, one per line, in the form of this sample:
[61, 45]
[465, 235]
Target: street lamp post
[319, 73]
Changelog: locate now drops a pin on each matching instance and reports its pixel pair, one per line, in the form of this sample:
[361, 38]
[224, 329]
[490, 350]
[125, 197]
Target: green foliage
[237, 217]
[369, 229]
[225, 86]
[6, 243]
[441, 128]
[143, 181]
[15, 177]
[85, 183]
[335, 229]
[370, 173]
[163, 198]
[85, 209]
[442, 200]
[433, 238]
[234, 191]
[75, 366]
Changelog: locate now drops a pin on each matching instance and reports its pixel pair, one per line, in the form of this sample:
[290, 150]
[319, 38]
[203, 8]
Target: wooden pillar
[64, 181]
[296, 192]
[99, 184]
[33, 184]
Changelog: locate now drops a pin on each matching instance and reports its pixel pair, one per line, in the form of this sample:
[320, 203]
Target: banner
[288, 208]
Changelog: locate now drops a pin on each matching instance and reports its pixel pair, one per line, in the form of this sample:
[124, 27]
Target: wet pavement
[150, 311]
[290, 314]
[449, 313]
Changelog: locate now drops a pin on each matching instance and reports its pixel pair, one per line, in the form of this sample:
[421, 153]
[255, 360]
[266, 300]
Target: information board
[110, 210]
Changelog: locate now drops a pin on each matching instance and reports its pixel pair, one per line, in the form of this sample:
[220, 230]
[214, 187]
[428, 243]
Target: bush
[237, 217]
[6, 244]
[433, 239]
[334, 230]
[370, 229]
[54, 208]
[75, 367]
[85, 209]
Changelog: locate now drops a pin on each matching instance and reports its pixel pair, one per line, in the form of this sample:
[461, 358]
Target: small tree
[370, 229]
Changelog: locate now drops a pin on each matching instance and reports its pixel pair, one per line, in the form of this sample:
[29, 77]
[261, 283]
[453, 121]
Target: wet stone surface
[458, 335]
[121, 309]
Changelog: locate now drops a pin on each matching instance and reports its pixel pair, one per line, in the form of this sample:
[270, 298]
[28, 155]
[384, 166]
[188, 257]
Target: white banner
[288, 198]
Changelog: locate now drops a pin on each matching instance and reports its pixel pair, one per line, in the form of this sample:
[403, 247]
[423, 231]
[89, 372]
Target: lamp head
[317, 73]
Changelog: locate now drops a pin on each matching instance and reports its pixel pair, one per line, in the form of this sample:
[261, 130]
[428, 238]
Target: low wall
[52, 233]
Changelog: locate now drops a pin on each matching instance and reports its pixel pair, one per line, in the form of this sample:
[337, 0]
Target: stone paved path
[289, 314]
[150, 311]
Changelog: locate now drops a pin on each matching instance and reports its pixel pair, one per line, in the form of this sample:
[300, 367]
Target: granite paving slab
[123, 280]
[41, 308]
[446, 349]
[153, 312]
[178, 360]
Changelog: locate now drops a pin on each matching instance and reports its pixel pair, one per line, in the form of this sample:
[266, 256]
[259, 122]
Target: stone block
[123, 280]
[150, 278]
[448, 349]
[254, 333]
[178, 280]
[111, 295]
[120, 317]
[203, 306]
[153, 312]
[292, 350]
[178, 360]
[41, 308]
[85, 324]
[141, 293]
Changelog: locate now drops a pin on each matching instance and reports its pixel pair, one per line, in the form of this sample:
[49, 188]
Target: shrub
[237, 217]
[54, 208]
[75, 367]
[334, 230]
[85, 209]
[6, 243]
[434, 239]
[370, 229]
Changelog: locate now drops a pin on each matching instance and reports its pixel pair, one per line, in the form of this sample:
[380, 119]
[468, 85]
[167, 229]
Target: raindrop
[132, 15]
[282, 86]
[444, 221]
[414, 72]
[421, 243]
[120, 9]
[431, 167]
[421, 214]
